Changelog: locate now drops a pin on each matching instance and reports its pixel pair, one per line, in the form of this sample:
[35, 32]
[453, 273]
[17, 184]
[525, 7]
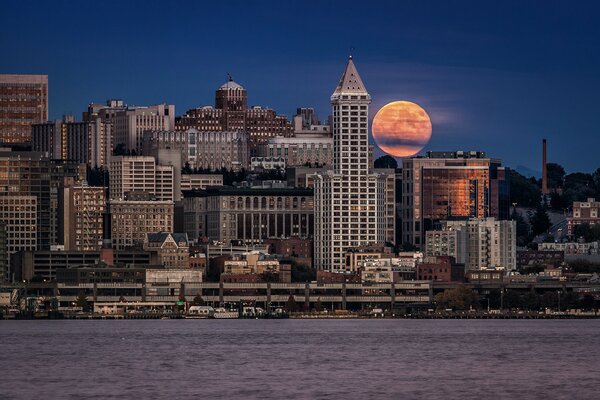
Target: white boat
[221, 313]
[200, 312]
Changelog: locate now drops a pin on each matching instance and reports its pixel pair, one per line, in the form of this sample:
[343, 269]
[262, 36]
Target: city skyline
[486, 84]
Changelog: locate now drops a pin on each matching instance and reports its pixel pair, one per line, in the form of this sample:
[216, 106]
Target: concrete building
[303, 177]
[446, 185]
[215, 150]
[491, 244]
[572, 248]
[226, 214]
[23, 102]
[172, 248]
[142, 174]
[450, 242]
[350, 200]
[20, 217]
[303, 149]
[584, 213]
[200, 181]
[152, 141]
[81, 142]
[130, 123]
[266, 163]
[132, 220]
[45, 264]
[231, 113]
[81, 216]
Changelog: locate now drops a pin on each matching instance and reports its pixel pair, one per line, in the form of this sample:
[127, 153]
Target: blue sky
[494, 76]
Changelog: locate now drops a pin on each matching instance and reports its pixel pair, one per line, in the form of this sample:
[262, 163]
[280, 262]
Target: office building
[80, 142]
[215, 150]
[490, 243]
[200, 181]
[4, 270]
[226, 214]
[447, 185]
[349, 200]
[20, 216]
[132, 220]
[306, 149]
[451, 242]
[81, 216]
[130, 123]
[142, 174]
[23, 102]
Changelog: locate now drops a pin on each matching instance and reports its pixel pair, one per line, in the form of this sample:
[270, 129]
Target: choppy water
[300, 359]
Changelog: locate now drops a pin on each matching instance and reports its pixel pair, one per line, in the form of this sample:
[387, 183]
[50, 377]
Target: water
[300, 359]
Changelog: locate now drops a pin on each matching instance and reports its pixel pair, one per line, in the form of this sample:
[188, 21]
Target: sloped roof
[160, 237]
[350, 83]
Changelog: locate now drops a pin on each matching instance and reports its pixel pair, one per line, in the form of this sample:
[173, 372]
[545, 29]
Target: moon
[401, 128]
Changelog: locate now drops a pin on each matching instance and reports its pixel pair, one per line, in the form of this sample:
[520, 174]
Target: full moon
[401, 128]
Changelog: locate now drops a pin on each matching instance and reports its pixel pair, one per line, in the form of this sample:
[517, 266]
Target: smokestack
[544, 171]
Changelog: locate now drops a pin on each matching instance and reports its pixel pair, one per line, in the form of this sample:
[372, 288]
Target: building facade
[305, 149]
[350, 199]
[584, 213]
[132, 220]
[130, 123]
[214, 150]
[231, 113]
[226, 214]
[23, 102]
[446, 185]
[81, 216]
[141, 174]
[172, 249]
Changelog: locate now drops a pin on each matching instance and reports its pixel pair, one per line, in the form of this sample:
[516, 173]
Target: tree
[318, 305]
[589, 233]
[550, 300]
[524, 191]
[556, 175]
[540, 221]
[269, 276]
[530, 300]
[198, 300]
[512, 299]
[386, 161]
[291, 305]
[523, 230]
[459, 298]
[81, 301]
[122, 299]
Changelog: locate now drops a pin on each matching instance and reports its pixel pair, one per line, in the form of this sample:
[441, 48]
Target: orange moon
[401, 128]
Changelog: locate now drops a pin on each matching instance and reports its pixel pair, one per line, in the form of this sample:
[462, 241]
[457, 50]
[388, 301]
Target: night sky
[494, 76]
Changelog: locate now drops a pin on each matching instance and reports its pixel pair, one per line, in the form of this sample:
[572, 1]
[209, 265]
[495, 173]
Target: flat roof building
[23, 102]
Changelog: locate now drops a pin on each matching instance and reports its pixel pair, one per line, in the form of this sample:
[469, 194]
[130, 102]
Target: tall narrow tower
[349, 200]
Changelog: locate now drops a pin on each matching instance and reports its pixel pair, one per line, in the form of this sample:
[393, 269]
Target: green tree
[523, 230]
[459, 298]
[550, 300]
[269, 276]
[540, 221]
[589, 233]
[81, 301]
[291, 305]
[319, 305]
[524, 191]
[556, 175]
[198, 300]
[512, 299]
[386, 161]
[530, 300]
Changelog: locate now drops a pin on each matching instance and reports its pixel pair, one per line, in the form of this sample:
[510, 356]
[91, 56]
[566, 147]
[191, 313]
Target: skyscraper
[23, 101]
[450, 185]
[349, 200]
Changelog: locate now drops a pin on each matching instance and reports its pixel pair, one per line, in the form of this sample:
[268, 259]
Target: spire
[350, 83]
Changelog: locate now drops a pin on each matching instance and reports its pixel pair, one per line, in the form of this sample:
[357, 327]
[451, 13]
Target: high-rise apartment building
[80, 142]
[23, 102]
[479, 243]
[447, 185]
[34, 174]
[81, 216]
[349, 200]
[141, 174]
[20, 216]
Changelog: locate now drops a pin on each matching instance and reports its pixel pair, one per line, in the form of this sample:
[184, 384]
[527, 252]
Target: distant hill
[528, 172]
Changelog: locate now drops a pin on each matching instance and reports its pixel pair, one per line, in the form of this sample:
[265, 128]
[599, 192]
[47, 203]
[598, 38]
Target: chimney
[544, 171]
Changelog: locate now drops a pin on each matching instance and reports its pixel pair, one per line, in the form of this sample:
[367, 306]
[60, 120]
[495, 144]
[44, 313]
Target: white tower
[350, 200]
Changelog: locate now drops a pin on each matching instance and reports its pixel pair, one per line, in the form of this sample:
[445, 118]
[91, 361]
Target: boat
[199, 312]
[222, 313]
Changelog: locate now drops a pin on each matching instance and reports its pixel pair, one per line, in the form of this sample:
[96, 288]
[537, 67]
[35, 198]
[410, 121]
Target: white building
[141, 174]
[490, 243]
[448, 242]
[350, 199]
